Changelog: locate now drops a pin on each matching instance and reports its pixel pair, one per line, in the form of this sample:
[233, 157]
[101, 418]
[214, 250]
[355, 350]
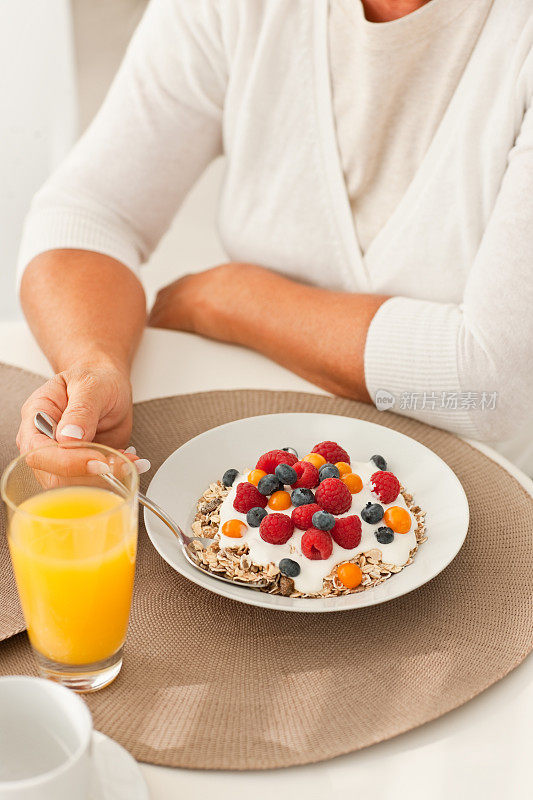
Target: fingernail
[143, 465]
[97, 467]
[72, 431]
[131, 450]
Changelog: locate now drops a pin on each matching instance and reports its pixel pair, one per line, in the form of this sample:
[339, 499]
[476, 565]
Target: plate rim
[254, 598]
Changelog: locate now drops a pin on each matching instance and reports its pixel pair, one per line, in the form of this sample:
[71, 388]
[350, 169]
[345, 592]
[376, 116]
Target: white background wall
[102, 29]
[57, 58]
[38, 116]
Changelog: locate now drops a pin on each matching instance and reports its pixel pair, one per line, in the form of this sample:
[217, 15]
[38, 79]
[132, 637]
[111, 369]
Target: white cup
[45, 741]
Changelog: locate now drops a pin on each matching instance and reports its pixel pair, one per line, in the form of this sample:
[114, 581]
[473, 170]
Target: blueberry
[323, 521]
[255, 515]
[289, 567]
[372, 513]
[290, 450]
[229, 476]
[301, 497]
[384, 535]
[269, 484]
[328, 471]
[379, 461]
[286, 474]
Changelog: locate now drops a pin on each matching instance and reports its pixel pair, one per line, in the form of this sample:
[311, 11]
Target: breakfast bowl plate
[187, 472]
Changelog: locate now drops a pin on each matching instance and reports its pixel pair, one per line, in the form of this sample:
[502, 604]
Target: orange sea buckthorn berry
[255, 476]
[398, 519]
[234, 528]
[315, 459]
[279, 501]
[353, 482]
[343, 467]
[349, 575]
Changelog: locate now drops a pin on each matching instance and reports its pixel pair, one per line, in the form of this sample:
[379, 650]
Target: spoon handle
[164, 517]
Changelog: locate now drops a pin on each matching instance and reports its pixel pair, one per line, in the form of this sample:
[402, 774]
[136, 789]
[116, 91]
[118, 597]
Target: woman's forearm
[318, 334]
[81, 304]
[87, 312]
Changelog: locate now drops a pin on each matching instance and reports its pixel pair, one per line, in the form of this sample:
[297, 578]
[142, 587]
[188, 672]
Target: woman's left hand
[192, 303]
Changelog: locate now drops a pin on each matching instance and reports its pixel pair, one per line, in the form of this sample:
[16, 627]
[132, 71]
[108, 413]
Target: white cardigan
[252, 80]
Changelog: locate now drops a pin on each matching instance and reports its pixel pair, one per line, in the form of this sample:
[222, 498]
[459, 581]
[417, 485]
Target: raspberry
[333, 496]
[347, 532]
[269, 461]
[276, 528]
[316, 545]
[332, 452]
[307, 475]
[302, 515]
[247, 497]
[386, 486]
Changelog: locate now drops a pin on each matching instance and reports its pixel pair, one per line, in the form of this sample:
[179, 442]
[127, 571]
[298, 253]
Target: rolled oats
[236, 562]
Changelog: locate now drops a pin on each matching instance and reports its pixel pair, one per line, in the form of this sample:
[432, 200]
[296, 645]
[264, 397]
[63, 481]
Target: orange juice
[73, 552]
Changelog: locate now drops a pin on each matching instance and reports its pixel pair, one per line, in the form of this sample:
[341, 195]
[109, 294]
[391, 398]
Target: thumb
[82, 414]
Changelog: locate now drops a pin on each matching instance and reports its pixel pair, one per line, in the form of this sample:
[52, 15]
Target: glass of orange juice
[73, 540]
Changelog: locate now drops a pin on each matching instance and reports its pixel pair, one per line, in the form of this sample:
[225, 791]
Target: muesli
[318, 526]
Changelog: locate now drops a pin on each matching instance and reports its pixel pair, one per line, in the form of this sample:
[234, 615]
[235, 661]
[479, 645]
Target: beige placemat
[209, 683]
[15, 386]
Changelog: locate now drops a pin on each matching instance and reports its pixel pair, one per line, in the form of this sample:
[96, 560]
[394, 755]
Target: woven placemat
[15, 386]
[213, 684]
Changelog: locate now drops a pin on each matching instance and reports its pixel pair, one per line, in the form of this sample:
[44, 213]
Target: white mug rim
[42, 777]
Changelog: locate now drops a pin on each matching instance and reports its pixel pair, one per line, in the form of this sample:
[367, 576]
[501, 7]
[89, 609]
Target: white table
[481, 750]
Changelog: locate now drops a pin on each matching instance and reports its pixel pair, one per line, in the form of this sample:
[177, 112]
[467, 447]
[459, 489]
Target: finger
[35, 441]
[70, 462]
[59, 465]
[50, 398]
[81, 416]
[141, 464]
[28, 437]
[49, 481]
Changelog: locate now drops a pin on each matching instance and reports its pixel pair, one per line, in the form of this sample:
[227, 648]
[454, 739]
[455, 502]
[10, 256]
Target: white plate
[116, 774]
[185, 475]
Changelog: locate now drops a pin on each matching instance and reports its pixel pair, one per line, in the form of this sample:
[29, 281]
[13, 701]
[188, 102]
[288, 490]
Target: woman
[377, 208]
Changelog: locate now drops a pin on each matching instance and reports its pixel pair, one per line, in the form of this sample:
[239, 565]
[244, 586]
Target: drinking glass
[73, 539]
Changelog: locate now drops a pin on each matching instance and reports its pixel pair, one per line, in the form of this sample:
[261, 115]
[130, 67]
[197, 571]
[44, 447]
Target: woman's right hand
[90, 401]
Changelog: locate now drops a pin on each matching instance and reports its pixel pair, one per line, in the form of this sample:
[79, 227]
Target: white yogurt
[312, 573]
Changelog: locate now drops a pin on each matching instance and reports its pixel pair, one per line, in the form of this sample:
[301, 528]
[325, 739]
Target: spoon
[46, 425]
